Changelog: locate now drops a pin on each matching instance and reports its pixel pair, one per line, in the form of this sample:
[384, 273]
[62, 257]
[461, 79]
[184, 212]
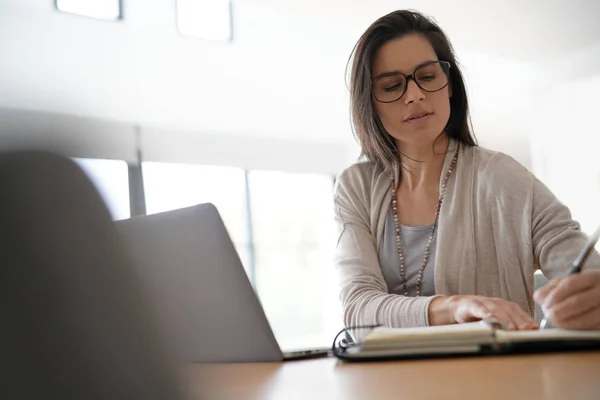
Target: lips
[416, 116]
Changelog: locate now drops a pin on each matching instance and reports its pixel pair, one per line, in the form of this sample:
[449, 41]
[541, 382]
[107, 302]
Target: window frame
[119, 18]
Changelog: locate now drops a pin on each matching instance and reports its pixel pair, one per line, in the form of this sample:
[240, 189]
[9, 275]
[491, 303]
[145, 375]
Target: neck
[422, 164]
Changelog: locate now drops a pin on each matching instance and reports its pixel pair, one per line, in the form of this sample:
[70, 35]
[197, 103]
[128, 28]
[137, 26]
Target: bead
[437, 215]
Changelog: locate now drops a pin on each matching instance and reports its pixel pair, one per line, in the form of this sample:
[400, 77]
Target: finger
[573, 307]
[473, 310]
[568, 287]
[540, 295]
[513, 316]
[586, 321]
[523, 320]
[498, 310]
[479, 309]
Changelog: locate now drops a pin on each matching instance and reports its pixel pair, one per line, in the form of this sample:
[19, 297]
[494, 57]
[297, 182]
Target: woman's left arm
[571, 302]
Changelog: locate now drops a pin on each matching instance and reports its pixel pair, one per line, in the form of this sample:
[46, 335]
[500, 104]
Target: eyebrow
[396, 72]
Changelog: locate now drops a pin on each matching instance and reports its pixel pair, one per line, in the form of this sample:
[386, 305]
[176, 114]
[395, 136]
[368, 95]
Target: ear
[450, 89]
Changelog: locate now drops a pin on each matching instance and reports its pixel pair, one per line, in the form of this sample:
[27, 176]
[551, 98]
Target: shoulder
[362, 186]
[492, 161]
[497, 169]
[359, 177]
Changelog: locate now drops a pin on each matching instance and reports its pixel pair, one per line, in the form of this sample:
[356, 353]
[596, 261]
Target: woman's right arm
[363, 291]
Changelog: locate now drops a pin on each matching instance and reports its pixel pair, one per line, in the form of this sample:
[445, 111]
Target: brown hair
[377, 145]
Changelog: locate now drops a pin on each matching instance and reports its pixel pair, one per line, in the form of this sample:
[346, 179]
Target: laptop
[194, 278]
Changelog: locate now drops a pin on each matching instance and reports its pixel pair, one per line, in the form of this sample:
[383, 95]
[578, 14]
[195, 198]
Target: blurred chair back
[75, 324]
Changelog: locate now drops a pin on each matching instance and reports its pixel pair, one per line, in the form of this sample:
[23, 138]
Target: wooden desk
[550, 376]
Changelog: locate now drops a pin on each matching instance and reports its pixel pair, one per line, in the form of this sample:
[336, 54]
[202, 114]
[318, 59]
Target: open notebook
[475, 338]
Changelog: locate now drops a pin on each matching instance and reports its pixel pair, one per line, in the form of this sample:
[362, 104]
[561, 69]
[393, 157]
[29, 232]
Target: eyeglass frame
[412, 77]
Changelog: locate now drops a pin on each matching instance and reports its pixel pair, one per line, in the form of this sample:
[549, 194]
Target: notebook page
[456, 332]
[545, 334]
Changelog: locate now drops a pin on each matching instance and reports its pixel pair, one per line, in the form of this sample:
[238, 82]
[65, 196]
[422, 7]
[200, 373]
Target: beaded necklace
[431, 236]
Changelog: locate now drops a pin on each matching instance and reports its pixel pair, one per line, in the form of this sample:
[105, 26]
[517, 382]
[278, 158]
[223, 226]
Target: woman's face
[419, 116]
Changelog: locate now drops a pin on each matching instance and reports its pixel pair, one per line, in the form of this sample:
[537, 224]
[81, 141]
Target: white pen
[578, 263]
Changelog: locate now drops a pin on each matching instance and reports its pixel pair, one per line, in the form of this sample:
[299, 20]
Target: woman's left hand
[572, 302]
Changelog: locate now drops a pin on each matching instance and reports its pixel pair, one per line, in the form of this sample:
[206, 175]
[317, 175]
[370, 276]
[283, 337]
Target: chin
[418, 137]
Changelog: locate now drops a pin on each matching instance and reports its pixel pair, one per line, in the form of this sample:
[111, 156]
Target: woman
[432, 228]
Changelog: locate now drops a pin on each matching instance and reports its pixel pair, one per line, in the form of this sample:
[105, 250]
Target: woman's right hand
[468, 308]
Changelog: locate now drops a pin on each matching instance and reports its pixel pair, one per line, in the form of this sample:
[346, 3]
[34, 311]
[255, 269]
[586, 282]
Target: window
[292, 218]
[282, 227]
[170, 186]
[112, 181]
[102, 9]
[205, 19]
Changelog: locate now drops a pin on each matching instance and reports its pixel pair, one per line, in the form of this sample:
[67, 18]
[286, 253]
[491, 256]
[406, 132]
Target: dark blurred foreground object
[75, 324]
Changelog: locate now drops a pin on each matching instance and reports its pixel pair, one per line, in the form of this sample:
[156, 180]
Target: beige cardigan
[497, 222]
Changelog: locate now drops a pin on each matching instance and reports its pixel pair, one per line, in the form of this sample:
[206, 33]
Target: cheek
[390, 114]
[442, 107]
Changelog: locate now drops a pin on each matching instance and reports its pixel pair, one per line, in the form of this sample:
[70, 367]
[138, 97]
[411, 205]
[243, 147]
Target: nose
[413, 92]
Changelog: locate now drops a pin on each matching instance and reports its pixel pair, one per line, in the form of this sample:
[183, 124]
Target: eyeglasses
[430, 77]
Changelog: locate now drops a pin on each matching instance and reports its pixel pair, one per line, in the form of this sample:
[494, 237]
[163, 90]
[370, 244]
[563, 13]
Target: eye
[427, 77]
[393, 87]
[391, 83]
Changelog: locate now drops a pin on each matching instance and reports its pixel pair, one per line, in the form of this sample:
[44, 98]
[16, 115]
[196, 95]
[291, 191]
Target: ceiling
[530, 30]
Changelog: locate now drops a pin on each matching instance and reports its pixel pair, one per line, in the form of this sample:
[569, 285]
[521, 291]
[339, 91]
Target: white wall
[565, 135]
[70, 135]
[141, 71]
[267, 82]
[85, 137]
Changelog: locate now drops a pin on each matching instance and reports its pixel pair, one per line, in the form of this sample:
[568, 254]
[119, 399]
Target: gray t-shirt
[413, 240]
